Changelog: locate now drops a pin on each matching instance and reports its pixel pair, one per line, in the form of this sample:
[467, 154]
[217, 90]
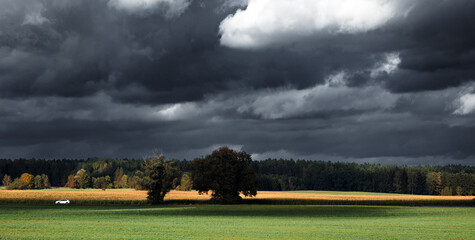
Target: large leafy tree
[26, 180]
[82, 179]
[160, 177]
[38, 182]
[225, 172]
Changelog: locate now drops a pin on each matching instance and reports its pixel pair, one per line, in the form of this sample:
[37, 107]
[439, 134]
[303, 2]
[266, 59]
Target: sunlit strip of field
[134, 195]
[343, 192]
[355, 196]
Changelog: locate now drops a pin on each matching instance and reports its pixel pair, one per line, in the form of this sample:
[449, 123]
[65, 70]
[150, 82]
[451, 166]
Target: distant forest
[272, 174]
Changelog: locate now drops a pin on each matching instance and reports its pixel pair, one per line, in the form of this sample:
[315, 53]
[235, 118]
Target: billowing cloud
[268, 22]
[466, 104]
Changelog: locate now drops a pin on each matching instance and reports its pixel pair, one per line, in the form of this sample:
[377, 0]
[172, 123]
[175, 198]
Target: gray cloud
[122, 78]
[168, 8]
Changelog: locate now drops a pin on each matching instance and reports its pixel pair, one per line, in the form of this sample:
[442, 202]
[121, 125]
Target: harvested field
[73, 194]
[337, 196]
[308, 197]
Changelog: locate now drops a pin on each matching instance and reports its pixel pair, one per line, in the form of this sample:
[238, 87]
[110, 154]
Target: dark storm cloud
[123, 78]
[439, 49]
[80, 48]
[54, 53]
[88, 47]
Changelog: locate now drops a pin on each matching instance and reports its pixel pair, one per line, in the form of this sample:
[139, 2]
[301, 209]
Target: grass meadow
[124, 214]
[20, 221]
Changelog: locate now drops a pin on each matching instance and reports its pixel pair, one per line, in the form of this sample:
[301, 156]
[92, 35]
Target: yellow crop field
[337, 196]
[134, 195]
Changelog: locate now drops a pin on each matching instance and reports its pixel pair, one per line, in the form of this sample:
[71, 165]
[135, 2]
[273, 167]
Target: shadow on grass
[272, 211]
[292, 211]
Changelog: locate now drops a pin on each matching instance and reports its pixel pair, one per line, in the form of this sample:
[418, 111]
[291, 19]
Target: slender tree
[411, 181]
[7, 180]
[124, 182]
[397, 183]
[434, 183]
[72, 183]
[186, 184]
[160, 177]
[45, 179]
[119, 173]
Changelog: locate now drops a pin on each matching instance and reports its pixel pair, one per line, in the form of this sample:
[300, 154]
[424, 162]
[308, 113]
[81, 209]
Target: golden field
[133, 195]
[341, 196]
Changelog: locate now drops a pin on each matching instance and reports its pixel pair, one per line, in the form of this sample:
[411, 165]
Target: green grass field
[19, 221]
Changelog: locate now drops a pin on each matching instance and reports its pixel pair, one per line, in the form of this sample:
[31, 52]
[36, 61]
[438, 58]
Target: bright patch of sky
[269, 22]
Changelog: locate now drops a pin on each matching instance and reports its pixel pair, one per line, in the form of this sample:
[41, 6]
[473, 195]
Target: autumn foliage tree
[6, 180]
[186, 184]
[119, 173]
[227, 173]
[71, 182]
[45, 179]
[160, 177]
[82, 179]
[124, 181]
[26, 180]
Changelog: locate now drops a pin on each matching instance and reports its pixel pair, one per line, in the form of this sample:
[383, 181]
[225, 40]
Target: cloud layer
[380, 81]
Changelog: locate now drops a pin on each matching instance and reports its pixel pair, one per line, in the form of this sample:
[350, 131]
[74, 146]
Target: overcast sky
[378, 81]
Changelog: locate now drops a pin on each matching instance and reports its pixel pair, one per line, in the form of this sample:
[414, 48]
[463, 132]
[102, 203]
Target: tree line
[26, 181]
[284, 175]
[271, 174]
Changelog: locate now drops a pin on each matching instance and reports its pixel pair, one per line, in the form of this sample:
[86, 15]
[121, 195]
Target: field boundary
[460, 203]
[454, 203]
